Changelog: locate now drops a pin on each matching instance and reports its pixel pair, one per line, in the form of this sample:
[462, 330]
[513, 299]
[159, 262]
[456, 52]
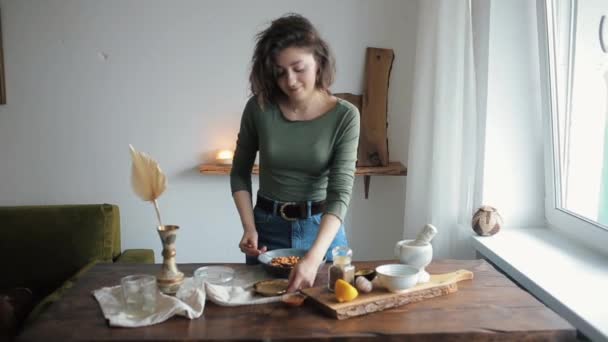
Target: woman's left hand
[303, 274]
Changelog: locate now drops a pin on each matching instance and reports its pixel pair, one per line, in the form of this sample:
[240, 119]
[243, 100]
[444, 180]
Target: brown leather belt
[290, 211]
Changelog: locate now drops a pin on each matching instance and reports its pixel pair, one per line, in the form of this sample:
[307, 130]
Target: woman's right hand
[249, 243]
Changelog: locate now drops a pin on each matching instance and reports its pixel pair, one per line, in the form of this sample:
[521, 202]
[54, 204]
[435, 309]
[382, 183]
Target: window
[574, 58]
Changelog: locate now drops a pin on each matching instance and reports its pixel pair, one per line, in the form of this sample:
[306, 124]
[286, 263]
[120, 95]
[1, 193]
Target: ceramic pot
[486, 221]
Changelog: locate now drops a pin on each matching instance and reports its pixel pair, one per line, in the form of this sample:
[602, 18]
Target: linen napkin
[236, 295]
[189, 302]
[241, 291]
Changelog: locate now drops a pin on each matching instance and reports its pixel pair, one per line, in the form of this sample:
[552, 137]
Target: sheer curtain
[446, 133]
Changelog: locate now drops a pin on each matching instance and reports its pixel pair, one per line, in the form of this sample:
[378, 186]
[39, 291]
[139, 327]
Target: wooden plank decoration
[373, 141]
[380, 299]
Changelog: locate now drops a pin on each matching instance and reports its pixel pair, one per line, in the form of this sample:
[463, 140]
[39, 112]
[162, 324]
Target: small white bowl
[397, 277]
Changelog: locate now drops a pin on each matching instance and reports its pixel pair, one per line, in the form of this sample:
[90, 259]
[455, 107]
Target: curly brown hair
[290, 30]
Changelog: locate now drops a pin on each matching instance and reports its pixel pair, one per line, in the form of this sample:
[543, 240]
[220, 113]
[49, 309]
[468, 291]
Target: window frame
[588, 232]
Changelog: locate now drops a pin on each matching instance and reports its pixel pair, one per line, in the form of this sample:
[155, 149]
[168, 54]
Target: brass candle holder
[169, 279]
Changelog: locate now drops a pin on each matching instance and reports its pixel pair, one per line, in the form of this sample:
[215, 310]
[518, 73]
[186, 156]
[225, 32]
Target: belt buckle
[282, 211]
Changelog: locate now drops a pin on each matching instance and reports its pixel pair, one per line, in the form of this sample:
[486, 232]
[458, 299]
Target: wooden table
[489, 307]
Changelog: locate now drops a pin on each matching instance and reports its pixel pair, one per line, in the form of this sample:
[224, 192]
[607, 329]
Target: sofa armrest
[145, 256]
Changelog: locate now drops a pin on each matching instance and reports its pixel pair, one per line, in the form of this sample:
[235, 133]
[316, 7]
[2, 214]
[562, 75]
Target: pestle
[425, 235]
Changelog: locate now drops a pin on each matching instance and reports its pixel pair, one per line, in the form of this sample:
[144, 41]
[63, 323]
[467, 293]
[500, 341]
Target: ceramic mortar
[415, 255]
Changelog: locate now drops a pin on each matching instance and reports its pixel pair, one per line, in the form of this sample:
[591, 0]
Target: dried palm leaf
[147, 179]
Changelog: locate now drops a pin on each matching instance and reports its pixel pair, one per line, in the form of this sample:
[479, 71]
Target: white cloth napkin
[189, 300]
[241, 292]
[236, 295]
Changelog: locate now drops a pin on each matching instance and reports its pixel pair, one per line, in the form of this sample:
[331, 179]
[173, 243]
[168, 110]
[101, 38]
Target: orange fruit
[344, 291]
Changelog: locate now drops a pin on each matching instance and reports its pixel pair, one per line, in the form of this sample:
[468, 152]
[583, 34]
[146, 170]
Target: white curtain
[446, 133]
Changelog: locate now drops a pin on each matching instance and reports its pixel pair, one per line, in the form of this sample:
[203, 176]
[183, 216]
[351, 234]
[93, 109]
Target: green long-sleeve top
[299, 160]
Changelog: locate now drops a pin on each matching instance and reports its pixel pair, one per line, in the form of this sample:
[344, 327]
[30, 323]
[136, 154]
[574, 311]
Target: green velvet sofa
[44, 249]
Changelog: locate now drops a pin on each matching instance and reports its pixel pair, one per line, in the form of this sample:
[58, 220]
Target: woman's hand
[303, 274]
[249, 243]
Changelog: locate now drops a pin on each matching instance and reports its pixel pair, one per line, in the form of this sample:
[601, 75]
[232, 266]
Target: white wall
[86, 78]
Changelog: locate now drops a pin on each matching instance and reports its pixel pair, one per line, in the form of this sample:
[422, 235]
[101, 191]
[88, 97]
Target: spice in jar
[341, 267]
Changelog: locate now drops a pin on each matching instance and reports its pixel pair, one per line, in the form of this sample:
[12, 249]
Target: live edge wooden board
[380, 299]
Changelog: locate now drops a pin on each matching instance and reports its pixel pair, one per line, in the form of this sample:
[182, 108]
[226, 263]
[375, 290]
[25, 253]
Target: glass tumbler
[139, 294]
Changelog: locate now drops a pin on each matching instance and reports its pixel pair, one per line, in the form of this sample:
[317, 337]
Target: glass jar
[341, 267]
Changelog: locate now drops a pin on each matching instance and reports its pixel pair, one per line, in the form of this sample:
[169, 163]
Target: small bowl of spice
[366, 273]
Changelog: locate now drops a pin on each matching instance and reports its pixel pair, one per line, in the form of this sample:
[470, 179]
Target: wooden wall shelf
[393, 168]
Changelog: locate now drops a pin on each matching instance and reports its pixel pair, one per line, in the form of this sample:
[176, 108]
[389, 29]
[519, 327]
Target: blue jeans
[274, 232]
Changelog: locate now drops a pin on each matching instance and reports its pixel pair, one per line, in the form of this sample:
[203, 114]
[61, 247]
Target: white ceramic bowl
[397, 277]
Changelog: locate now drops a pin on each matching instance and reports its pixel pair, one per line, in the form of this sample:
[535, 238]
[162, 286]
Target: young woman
[307, 140]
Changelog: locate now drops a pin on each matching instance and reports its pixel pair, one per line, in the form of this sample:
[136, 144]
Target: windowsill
[568, 278]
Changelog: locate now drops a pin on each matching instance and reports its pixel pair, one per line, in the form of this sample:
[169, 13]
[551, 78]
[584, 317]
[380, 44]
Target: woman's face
[296, 73]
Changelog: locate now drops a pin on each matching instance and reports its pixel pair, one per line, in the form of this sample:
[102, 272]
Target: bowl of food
[397, 277]
[280, 262]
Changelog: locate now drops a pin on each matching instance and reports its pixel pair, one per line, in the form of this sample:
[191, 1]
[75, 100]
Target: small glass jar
[341, 267]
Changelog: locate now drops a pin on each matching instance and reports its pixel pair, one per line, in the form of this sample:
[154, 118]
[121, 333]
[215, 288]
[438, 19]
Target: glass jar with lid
[341, 267]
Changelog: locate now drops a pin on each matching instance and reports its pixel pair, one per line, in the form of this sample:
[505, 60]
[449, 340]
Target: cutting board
[380, 299]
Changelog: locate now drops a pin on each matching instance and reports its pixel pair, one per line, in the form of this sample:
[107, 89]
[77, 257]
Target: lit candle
[224, 157]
